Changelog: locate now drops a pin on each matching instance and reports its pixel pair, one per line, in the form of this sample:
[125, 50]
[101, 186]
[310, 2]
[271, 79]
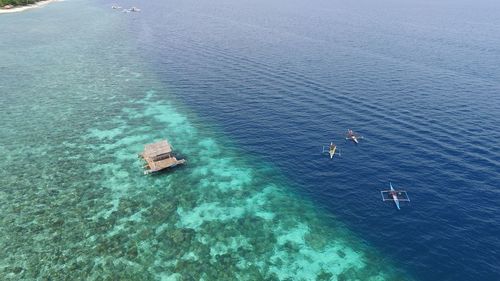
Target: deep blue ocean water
[83, 87]
[419, 79]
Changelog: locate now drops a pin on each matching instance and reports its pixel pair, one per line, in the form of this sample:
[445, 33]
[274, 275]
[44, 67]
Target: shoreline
[28, 7]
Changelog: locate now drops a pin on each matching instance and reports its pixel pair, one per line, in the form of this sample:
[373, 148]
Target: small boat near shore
[133, 9]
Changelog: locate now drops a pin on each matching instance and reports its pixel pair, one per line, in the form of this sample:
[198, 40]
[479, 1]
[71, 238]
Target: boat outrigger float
[353, 136]
[395, 195]
[330, 149]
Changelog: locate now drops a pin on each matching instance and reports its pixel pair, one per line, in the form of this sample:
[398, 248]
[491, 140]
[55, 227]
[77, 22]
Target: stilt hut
[159, 156]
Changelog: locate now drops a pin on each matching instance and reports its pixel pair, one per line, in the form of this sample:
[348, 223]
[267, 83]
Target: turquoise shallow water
[77, 105]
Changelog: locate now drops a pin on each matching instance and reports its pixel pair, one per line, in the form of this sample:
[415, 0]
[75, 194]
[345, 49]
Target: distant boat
[133, 9]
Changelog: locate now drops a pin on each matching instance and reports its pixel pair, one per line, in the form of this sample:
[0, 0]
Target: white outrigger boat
[133, 9]
[331, 149]
[395, 195]
[353, 136]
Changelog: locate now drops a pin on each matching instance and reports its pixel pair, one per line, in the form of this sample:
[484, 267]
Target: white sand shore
[24, 8]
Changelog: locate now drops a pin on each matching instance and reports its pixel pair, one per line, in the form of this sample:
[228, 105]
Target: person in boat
[394, 193]
[332, 147]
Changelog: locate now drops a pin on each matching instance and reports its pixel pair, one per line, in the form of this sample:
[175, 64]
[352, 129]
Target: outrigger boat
[395, 195]
[331, 149]
[353, 136]
[133, 9]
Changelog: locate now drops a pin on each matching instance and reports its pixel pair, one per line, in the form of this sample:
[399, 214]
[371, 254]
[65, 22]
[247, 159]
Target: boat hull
[394, 197]
[396, 201]
[332, 152]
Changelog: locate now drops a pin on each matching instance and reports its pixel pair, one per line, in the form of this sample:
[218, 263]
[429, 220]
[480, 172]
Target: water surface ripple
[419, 80]
[248, 92]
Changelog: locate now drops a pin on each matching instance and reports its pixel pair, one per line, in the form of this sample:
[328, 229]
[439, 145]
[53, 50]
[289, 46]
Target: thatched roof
[158, 148]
